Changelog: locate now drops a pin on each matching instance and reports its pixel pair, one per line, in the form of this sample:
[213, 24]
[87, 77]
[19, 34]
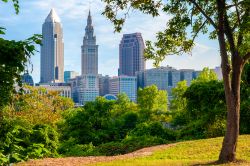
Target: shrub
[129, 144]
[153, 129]
[71, 148]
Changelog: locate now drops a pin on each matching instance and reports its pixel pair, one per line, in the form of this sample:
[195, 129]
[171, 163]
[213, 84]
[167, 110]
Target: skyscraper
[131, 54]
[85, 88]
[52, 50]
[89, 50]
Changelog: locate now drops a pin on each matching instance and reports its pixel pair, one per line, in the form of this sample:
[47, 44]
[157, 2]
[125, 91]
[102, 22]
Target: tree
[153, 103]
[15, 56]
[245, 98]
[206, 75]
[38, 106]
[178, 103]
[227, 21]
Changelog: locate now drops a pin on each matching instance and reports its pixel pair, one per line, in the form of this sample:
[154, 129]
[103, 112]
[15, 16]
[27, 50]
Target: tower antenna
[90, 3]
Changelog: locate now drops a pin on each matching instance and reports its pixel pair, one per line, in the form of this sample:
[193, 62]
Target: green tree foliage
[245, 98]
[225, 20]
[153, 103]
[206, 75]
[179, 103]
[28, 126]
[19, 141]
[105, 127]
[39, 106]
[206, 110]
[15, 56]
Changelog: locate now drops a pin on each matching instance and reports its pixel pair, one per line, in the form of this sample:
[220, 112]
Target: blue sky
[73, 15]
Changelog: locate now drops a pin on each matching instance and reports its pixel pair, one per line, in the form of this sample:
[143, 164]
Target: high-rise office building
[52, 50]
[89, 50]
[131, 54]
[85, 88]
[124, 84]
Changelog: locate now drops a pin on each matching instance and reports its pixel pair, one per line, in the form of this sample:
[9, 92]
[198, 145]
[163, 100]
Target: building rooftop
[52, 17]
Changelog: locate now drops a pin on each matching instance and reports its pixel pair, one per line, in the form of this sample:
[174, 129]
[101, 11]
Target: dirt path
[79, 161]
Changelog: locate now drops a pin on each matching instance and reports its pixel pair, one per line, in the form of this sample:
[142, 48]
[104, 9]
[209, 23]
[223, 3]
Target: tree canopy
[225, 20]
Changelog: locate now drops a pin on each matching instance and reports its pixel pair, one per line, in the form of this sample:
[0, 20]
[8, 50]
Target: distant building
[52, 50]
[103, 85]
[89, 50]
[165, 78]
[188, 75]
[85, 88]
[110, 97]
[63, 89]
[27, 79]
[131, 54]
[124, 84]
[70, 75]
[218, 72]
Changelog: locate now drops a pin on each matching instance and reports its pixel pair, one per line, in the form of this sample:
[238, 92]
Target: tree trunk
[232, 92]
[228, 151]
[231, 85]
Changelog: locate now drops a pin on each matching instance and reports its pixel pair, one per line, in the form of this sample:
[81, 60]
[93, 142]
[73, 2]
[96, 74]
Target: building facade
[165, 78]
[131, 54]
[85, 88]
[124, 84]
[63, 89]
[52, 50]
[103, 85]
[89, 50]
[70, 75]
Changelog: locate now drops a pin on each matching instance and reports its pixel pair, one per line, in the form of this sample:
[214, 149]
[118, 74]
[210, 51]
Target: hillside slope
[198, 152]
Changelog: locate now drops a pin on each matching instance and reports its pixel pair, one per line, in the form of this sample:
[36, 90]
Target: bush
[153, 129]
[129, 144]
[19, 141]
[71, 148]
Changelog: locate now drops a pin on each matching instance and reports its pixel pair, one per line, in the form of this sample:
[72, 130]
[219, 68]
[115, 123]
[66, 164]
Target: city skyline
[73, 18]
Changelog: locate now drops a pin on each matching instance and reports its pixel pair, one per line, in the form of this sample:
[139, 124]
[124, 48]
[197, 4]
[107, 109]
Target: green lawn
[199, 152]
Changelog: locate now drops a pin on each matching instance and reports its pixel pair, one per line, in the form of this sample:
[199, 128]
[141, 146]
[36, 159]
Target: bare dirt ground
[79, 161]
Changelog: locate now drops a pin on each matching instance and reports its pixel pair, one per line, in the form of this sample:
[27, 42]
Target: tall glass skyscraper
[89, 50]
[52, 50]
[131, 54]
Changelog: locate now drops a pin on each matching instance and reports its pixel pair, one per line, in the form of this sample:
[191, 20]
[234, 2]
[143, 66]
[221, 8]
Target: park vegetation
[38, 124]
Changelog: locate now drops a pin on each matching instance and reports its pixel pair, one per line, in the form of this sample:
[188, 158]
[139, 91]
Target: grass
[198, 152]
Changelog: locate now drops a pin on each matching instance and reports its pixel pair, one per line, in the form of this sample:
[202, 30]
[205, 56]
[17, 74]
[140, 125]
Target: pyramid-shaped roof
[52, 17]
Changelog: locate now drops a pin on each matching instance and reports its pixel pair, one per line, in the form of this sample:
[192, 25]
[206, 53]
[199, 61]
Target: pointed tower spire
[52, 17]
[89, 22]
